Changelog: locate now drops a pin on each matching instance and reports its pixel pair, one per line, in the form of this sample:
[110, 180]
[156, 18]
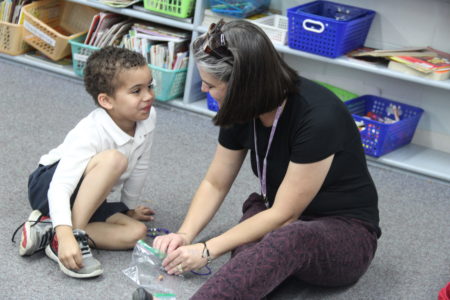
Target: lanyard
[262, 178]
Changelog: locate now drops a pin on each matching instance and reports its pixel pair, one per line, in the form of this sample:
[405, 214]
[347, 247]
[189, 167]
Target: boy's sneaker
[91, 266]
[37, 233]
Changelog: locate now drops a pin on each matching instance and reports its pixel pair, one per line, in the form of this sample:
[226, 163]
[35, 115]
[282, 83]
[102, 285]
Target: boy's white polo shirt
[94, 134]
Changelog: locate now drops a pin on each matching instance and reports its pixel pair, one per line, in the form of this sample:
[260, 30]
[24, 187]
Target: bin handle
[311, 28]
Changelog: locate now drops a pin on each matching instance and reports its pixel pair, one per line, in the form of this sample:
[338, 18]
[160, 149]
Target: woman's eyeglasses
[216, 44]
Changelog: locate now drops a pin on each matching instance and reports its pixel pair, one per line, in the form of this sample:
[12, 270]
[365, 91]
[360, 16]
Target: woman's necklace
[262, 176]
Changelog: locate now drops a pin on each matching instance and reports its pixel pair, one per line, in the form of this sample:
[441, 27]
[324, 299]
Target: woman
[316, 217]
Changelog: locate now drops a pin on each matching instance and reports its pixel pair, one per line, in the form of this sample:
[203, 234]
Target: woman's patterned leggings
[326, 251]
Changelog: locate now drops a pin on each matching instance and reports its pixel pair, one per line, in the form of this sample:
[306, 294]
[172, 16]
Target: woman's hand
[170, 242]
[184, 259]
[141, 213]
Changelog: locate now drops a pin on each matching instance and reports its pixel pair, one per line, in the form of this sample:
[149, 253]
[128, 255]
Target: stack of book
[423, 62]
[162, 46]
[10, 10]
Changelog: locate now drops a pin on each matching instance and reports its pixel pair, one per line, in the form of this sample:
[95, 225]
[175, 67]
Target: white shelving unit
[422, 157]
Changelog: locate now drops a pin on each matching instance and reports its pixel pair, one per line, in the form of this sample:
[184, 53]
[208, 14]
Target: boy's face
[133, 98]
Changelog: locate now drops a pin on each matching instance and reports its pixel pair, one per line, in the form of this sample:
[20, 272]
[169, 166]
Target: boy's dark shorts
[39, 182]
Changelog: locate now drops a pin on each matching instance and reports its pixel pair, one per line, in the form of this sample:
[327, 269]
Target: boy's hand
[141, 213]
[69, 252]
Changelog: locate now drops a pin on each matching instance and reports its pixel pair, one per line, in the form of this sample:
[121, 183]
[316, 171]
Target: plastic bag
[146, 271]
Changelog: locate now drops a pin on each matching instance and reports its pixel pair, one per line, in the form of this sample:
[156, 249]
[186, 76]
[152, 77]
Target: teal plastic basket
[169, 83]
[80, 54]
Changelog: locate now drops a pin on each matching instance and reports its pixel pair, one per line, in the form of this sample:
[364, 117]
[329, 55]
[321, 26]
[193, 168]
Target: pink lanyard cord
[262, 179]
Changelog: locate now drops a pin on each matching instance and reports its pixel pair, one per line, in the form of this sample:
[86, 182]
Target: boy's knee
[138, 232]
[117, 160]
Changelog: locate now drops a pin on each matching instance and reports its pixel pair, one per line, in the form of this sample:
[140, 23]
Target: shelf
[417, 159]
[137, 14]
[359, 65]
[368, 67]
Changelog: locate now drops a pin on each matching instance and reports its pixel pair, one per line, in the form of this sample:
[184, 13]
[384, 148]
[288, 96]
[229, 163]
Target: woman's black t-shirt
[314, 124]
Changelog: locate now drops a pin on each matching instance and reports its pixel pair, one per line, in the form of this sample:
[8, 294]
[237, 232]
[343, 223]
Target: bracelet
[205, 253]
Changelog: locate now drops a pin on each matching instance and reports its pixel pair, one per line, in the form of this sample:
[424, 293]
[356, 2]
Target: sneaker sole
[67, 271]
[25, 251]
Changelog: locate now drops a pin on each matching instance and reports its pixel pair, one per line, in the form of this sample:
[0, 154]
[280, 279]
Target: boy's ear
[104, 101]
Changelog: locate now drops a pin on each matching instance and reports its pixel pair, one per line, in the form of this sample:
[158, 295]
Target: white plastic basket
[275, 26]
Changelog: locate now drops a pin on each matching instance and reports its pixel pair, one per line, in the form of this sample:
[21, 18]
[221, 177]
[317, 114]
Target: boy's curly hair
[103, 67]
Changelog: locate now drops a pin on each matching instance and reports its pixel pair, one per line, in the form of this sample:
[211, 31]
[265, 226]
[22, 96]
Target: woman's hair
[103, 67]
[258, 78]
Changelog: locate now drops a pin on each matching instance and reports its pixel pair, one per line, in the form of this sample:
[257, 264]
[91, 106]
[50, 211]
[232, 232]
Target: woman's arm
[208, 198]
[300, 185]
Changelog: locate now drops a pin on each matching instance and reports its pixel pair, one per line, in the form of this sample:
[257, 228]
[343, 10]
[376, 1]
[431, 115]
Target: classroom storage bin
[178, 8]
[211, 103]
[275, 26]
[80, 54]
[327, 28]
[11, 39]
[50, 24]
[169, 84]
[379, 138]
[239, 9]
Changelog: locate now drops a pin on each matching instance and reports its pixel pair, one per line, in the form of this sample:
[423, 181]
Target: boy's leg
[102, 172]
[329, 251]
[119, 232]
[37, 229]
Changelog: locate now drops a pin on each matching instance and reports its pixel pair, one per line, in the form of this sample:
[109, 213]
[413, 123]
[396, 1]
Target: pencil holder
[239, 9]
[275, 26]
[80, 54]
[379, 138]
[211, 103]
[50, 24]
[169, 84]
[11, 39]
[178, 8]
[327, 28]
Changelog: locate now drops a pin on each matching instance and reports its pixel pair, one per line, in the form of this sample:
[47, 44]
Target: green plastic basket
[340, 93]
[80, 54]
[176, 8]
[169, 83]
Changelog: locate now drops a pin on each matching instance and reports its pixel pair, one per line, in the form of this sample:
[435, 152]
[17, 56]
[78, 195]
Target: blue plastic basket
[80, 54]
[239, 9]
[327, 28]
[169, 83]
[380, 138]
[212, 103]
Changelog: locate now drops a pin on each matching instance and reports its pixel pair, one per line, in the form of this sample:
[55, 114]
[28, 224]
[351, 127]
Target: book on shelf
[10, 10]
[162, 46]
[436, 75]
[119, 3]
[439, 61]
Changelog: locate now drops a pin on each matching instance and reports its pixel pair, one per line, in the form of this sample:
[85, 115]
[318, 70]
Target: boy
[107, 149]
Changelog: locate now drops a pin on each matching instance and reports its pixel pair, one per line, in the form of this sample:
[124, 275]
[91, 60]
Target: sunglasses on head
[216, 45]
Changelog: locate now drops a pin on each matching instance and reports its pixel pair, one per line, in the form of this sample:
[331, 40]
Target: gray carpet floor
[38, 108]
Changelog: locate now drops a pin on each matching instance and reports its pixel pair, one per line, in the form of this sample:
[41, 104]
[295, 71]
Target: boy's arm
[78, 149]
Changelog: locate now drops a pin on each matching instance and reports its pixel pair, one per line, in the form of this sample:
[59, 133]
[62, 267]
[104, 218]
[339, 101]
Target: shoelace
[35, 222]
[84, 239]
